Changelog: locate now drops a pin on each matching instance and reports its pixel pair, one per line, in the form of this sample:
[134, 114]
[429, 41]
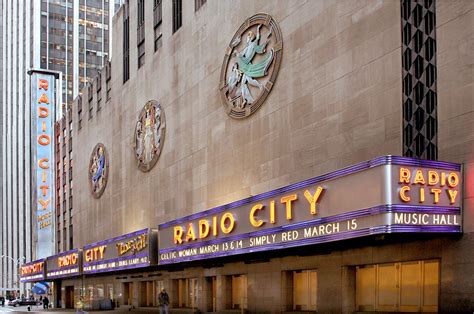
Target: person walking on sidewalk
[45, 303]
[163, 301]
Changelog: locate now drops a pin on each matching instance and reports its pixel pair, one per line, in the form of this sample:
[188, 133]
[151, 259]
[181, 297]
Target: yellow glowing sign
[429, 185]
[225, 223]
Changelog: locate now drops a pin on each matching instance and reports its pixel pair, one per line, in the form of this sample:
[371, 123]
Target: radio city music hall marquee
[33, 271]
[386, 195]
[62, 265]
[133, 250]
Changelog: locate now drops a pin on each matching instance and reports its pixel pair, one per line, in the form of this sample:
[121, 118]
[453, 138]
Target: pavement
[34, 309]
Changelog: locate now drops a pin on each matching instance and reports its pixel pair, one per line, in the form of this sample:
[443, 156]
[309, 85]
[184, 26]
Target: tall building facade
[16, 223]
[69, 36]
[276, 194]
[75, 40]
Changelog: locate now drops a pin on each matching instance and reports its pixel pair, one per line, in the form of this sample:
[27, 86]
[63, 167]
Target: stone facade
[337, 101]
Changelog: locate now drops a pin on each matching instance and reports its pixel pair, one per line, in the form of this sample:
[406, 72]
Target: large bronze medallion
[251, 65]
[149, 135]
[98, 170]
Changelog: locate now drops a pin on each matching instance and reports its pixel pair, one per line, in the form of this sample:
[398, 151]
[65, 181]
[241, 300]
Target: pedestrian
[45, 303]
[163, 301]
[2, 300]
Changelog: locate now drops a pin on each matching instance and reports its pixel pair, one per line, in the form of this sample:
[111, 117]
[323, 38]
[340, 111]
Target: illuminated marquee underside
[385, 195]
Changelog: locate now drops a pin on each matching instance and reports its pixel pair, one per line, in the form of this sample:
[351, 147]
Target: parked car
[19, 302]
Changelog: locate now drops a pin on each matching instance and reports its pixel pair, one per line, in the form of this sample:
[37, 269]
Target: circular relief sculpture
[98, 170]
[251, 64]
[149, 135]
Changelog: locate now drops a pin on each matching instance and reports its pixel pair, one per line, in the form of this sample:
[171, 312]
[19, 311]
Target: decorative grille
[420, 127]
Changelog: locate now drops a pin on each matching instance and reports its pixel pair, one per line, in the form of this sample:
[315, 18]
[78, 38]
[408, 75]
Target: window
[141, 32]
[398, 287]
[158, 41]
[108, 79]
[71, 240]
[91, 98]
[100, 291]
[157, 13]
[79, 113]
[198, 4]
[110, 291]
[239, 292]
[99, 91]
[157, 18]
[305, 286]
[187, 293]
[141, 54]
[64, 239]
[126, 44]
[177, 14]
[141, 12]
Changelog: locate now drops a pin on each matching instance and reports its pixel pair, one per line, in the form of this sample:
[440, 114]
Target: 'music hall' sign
[386, 195]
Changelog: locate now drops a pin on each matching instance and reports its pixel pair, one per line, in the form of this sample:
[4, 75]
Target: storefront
[368, 236]
[105, 261]
[64, 265]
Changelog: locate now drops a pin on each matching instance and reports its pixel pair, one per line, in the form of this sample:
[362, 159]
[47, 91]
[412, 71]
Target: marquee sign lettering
[133, 250]
[33, 271]
[386, 195]
[66, 264]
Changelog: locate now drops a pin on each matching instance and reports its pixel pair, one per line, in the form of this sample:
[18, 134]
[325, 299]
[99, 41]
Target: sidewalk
[59, 311]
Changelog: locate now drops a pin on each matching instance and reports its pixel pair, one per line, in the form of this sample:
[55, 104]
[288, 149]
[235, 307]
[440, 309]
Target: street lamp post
[16, 262]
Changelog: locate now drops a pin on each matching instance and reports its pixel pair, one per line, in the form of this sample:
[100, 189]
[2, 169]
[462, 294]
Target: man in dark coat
[45, 303]
[163, 301]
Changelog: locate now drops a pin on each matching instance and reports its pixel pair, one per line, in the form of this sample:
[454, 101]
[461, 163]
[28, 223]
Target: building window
[141, 54]
[305, 287]
[91, 98]
[157, 17]
[177, 14]
[398, 287]
[157, 13]
[64, 239]
[158, 36]
[71, 239]
[126, 44]
[141, 12]
[187, 292]
[141, 32]
[239, 292]
[99, 90]
[108, 80]
[198, 4]
[79, 113]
